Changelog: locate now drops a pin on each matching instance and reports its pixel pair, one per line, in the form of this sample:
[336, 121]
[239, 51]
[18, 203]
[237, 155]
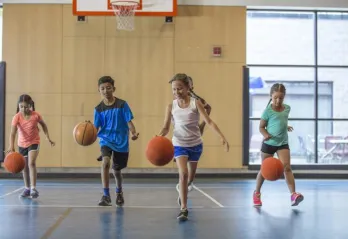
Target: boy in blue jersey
[113, 119]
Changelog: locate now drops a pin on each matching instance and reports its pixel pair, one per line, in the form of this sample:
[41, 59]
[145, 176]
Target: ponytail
[269, 102]
[197, 97]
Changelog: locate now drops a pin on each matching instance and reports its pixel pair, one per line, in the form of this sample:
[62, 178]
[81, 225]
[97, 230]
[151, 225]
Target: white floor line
[100, 207]
[12, 192]
[208, 196]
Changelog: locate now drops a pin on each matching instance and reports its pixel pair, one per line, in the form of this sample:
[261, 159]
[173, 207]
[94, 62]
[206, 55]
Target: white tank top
[186, 131]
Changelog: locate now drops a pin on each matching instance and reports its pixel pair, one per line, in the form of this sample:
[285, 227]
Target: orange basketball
[14, 162]
[160, 151]
[85, 133]
[272, 169]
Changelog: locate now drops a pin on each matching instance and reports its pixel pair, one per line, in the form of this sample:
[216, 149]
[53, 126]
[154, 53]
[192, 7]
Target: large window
[307, 51]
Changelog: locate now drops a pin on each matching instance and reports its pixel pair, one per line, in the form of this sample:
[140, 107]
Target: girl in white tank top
[185, 112]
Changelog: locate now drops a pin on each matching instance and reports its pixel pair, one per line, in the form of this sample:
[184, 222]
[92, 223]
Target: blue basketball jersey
[112, 123]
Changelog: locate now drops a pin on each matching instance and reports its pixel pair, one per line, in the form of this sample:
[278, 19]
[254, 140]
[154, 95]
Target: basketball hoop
[124, 11]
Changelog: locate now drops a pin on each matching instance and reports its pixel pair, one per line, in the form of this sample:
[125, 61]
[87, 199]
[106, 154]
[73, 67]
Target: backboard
[146, 8]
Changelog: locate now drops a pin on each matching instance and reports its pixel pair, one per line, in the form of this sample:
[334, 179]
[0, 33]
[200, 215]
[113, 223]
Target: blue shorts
[193, 153]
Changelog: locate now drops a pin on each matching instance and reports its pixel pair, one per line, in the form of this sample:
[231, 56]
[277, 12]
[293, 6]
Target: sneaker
[183, 215]
[105, 201]
[296, 198]
[25, 193]
[257, 199]
[119, 199]
[34, 193]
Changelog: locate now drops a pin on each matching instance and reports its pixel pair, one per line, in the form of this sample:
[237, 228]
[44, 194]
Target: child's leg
[120, 161]
[105, 169]
[26, 179]
[26, 173]
[192, 166]
[259, 178]
[284, 156]
[194, 156]
[33, 153]
[181, 162]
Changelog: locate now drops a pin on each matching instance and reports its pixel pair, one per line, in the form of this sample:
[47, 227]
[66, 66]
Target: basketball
[272, 169]
[14, 162]
[85, 133]
[160, 151]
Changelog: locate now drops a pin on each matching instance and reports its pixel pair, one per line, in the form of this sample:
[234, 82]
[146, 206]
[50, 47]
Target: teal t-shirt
[277, 125]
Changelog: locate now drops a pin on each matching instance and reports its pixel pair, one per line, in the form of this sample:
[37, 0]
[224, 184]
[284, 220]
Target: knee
[287, 168]
[106, 163]
[183, 175]
[32, 163]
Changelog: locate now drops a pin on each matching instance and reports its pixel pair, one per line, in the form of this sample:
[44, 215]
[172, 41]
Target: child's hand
[267, 137]
[135, 136]
[226, 144]
[51, 142]
[290, 128]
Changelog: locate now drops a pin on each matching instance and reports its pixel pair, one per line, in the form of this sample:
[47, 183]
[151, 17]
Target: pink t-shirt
[28, 131]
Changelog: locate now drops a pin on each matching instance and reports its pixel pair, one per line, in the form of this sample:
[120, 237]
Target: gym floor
[218, 208]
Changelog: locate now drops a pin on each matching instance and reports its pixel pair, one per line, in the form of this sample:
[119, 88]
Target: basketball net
[124, 12]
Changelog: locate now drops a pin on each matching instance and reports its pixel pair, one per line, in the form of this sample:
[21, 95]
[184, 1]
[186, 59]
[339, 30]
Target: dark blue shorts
[193, 153]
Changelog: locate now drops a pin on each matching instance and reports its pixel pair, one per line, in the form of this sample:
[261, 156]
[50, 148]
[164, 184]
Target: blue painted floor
[217, 209]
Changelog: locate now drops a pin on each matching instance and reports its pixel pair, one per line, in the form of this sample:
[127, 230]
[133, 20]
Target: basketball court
[217, 209]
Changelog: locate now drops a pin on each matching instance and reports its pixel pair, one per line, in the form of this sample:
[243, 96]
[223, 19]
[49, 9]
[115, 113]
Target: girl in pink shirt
[26, 123]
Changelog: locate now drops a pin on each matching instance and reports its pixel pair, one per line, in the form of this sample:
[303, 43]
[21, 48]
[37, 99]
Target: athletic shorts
[192, 153]
[269, 149]
[25, 151]
[119, 159]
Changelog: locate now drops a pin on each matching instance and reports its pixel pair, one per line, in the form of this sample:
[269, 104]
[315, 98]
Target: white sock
[32, 187]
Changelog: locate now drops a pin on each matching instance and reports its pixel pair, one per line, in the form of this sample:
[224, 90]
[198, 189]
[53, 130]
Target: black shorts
[25, 151]
[119, 159]
[269, 149]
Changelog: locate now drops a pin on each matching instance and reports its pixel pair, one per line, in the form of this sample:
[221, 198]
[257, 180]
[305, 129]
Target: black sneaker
[183, 215]
[119, 199]
[105, 201]
[100, 158]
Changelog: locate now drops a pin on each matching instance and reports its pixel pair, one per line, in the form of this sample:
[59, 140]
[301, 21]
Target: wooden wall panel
[93, 27]
[32, 48]
[83, 60]
[142, 68]
[198, 29]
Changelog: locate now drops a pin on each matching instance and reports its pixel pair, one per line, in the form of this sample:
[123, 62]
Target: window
[332, 38]
[307, 51]
[285, 38]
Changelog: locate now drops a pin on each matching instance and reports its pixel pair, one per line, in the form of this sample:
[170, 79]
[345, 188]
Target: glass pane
[332, 101]
[300, 142]
[332, 142]
[332, 38]
[285, 38]
[299, 83]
